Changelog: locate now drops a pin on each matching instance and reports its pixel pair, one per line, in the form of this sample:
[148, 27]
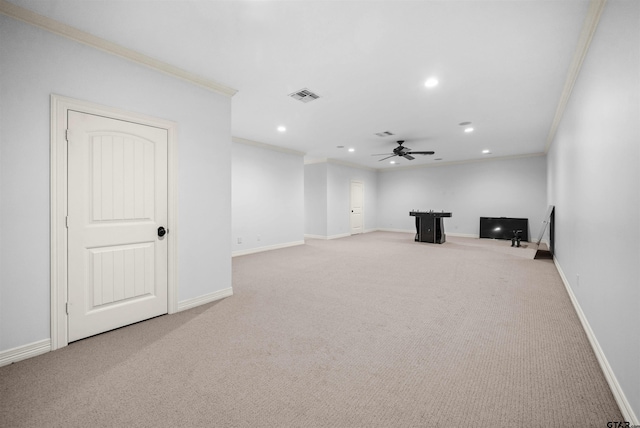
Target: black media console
[429, 226]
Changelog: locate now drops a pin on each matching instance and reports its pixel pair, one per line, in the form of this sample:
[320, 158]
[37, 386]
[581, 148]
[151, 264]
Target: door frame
[58, 201]
[351, 207]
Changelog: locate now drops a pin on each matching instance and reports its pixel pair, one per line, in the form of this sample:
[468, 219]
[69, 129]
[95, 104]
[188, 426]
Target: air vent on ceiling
[304, 95]
[384, 134]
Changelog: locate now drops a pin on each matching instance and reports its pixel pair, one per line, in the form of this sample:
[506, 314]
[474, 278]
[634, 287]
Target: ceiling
[501, 65]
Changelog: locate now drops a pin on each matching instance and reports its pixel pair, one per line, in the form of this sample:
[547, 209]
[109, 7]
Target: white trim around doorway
[59, 108]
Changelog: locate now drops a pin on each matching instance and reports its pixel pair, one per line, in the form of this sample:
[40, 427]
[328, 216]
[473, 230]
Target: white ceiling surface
[501, 65]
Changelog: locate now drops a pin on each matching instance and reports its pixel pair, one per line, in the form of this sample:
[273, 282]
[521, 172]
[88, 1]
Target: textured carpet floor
[373, 330]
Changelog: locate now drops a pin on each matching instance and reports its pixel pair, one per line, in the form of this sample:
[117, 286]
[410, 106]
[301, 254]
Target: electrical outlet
[239, 240]
[258, 237]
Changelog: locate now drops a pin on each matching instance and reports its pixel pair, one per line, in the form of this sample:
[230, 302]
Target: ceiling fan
[405, 152]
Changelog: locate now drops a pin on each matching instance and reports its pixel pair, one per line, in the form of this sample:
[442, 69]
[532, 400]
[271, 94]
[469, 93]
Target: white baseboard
[413, 231]
[463, 235]
[266, 248]
[309, 236]
[616, 389]
[342, 235]
[386, 229]
[207, 298]
[34, 349]
[23, 352]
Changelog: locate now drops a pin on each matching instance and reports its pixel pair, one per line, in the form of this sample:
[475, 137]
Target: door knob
[162, 231]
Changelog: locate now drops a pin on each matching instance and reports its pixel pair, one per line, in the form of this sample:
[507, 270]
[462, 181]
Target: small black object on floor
[543, 254]
[517, 237]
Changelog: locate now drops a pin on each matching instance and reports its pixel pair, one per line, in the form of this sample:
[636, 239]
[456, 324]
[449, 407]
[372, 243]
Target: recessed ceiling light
[352, 149]
[486, 152]
[392, 162]
[467, 130]
[431, 82]
[281, 128]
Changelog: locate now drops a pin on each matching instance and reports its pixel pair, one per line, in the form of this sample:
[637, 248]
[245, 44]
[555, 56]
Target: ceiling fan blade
[408, 156]
[420, 153]
[382, 154]
[380, 160]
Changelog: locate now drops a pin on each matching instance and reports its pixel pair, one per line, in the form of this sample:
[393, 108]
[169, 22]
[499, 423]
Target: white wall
[492, 188]
[328, 199]
[267, 198]
[594, 182]
[34, 64]
[315, 199]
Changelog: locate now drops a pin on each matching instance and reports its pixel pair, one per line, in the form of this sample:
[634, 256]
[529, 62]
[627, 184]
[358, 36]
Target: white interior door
[357, 200]
[117, 200]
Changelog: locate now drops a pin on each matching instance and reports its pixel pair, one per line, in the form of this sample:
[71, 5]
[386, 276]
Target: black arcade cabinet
[429, 226]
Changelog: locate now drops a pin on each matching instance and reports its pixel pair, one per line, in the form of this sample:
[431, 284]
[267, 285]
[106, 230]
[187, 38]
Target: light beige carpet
[373, 330]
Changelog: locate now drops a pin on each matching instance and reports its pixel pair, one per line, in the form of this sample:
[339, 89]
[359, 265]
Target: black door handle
[162, 231]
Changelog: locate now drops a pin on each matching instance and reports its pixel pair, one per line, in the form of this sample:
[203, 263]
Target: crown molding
[308, 160]
[266, 146]
[350, 165]
[431, 165]
[464, 162]
[312, 161]
[53, 26]
[588, 29]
